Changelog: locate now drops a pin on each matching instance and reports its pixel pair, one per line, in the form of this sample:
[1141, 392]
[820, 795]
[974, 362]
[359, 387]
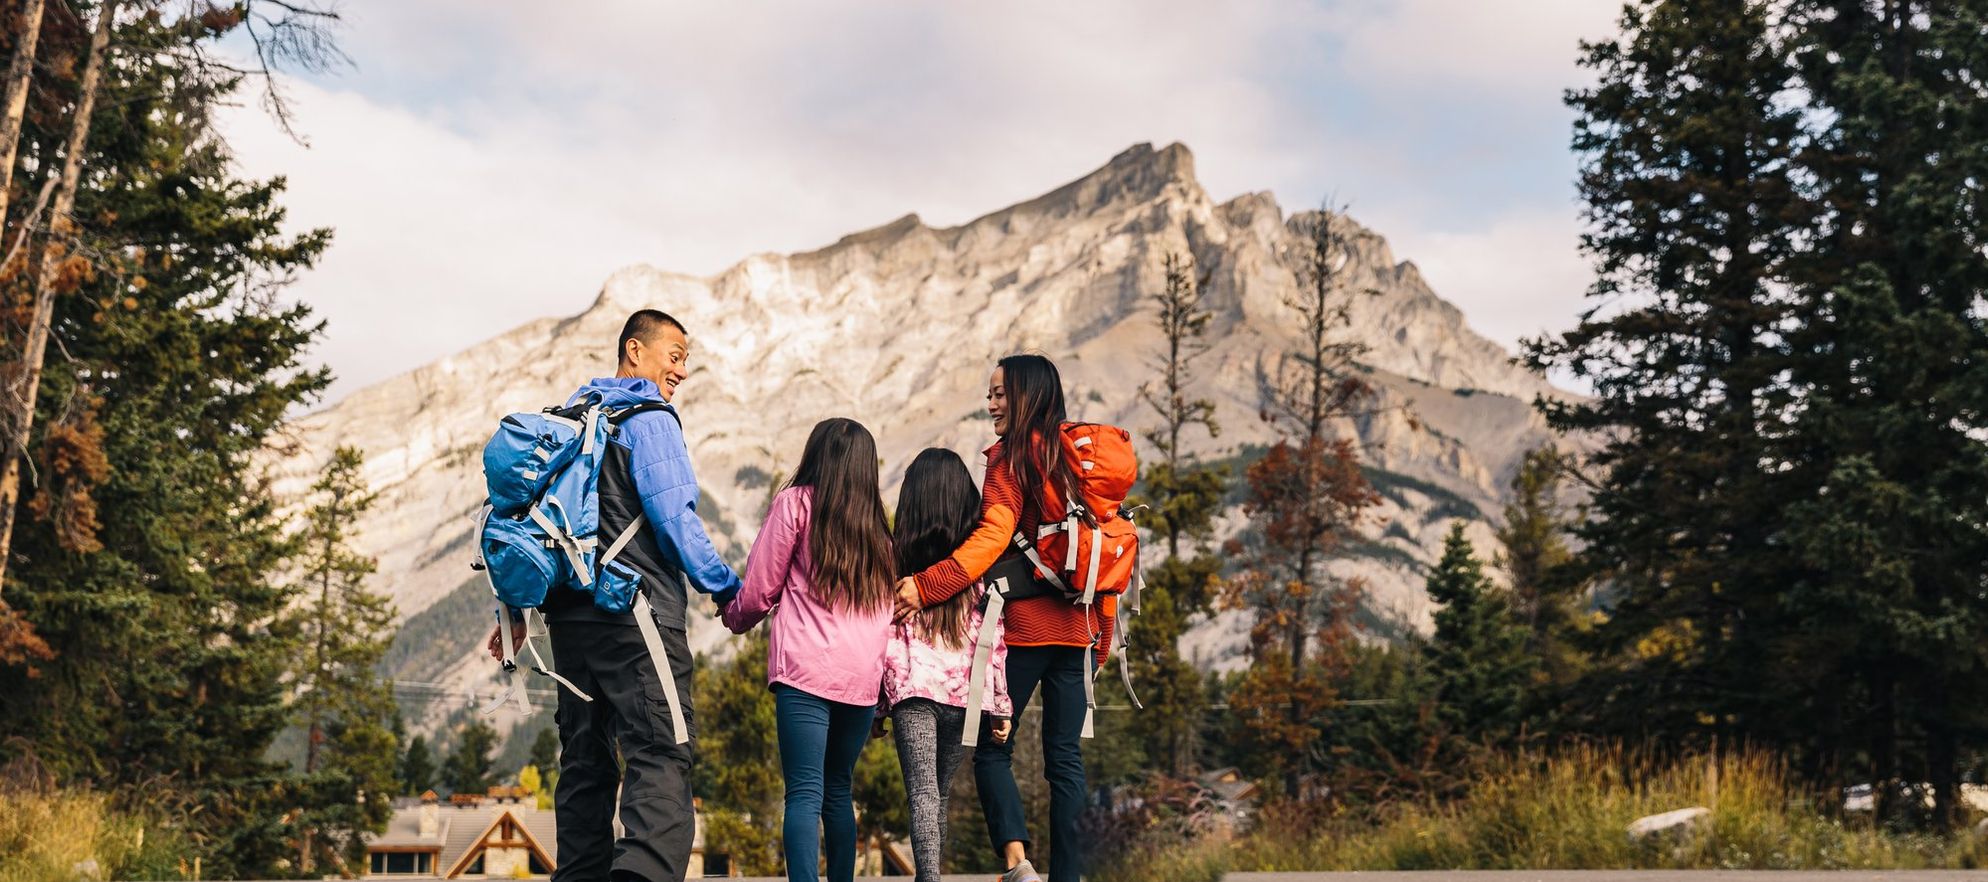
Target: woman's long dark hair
[1034, 443]
[937, 508]
[848, 537]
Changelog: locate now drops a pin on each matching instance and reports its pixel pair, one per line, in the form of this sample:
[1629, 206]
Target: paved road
[1582, 876]
[1626, 876]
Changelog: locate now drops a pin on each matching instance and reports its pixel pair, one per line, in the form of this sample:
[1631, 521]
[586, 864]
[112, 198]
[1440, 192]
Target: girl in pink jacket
[824, 556]
[927, 667]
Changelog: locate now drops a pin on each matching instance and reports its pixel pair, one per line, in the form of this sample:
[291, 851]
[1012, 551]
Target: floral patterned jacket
[916, 668]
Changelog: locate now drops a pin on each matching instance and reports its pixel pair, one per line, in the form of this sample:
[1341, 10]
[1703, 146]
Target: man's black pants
[610, 663]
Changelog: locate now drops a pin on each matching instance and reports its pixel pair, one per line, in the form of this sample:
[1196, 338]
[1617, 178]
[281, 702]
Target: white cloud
[1474, 44]
[491, 164]
[1520, 277]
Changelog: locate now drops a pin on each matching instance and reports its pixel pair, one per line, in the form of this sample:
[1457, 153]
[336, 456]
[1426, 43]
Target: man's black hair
[643, 326]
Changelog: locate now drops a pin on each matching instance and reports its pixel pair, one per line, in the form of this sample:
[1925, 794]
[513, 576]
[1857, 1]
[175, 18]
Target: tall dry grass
[49, 835]
[1571, 810]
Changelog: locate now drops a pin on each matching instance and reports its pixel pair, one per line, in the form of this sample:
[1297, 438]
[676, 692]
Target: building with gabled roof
[502, 834]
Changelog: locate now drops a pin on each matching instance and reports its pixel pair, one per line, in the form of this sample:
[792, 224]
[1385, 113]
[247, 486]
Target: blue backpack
[539, 532]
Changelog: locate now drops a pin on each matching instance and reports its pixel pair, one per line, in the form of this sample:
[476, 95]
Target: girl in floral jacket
[927, 665]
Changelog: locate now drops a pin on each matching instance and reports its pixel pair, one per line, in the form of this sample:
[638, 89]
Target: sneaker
[1022, 872]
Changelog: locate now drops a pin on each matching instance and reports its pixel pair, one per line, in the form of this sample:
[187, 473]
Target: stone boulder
[1677, 826]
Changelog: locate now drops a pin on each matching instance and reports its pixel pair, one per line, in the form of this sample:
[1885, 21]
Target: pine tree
[417, 767]
[1400, 747]
[545, 751]
[738, 769]
[1478, 653]
[468, 767]
[1544, 593]
[172, 361]
[1305, 498]
[1184, 496]
[1687, 141]
[1891, 358]
[345, 706]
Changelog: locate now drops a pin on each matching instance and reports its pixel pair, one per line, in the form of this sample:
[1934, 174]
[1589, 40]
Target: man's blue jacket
[648, 471]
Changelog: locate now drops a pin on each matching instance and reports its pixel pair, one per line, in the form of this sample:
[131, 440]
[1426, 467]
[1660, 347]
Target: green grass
[58, 836]
[1571, 811]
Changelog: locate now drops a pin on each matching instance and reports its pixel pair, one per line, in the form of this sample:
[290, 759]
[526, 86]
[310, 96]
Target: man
[646, 474]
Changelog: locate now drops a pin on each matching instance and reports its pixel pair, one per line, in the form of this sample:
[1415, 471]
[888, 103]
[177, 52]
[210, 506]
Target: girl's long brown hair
[1034, 443]
[937, 508]
[848, 537]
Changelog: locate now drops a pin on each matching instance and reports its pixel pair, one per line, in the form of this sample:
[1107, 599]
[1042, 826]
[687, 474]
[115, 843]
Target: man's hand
[907, 600]
[497, 639]
[1002, 728]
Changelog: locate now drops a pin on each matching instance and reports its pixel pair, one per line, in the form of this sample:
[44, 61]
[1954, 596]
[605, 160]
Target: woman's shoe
[1022, 872]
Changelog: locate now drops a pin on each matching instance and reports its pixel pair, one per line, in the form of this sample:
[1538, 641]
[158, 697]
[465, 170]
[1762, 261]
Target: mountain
[898, 327]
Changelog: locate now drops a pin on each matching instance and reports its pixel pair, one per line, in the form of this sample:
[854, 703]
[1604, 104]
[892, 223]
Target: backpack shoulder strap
[618, 417]
[614, 421]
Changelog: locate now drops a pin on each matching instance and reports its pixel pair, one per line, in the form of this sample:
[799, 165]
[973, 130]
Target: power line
[442, 692]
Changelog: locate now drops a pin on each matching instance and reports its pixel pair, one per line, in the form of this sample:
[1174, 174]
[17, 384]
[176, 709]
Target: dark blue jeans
[819, 743]
[1060, 670]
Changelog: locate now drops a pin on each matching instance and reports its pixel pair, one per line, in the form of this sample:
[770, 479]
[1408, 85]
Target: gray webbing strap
[505, 655]
[511, 691]
[983, 653]
[588, 431]
[1090, 686]
[1043, 569]
[1128, 607]
[1070, 529]
[535, 627]
[621, 541]
[1097, 558]
[564, 540]
[645, 622]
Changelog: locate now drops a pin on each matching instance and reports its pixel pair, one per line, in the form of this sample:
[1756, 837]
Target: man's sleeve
[668, 487]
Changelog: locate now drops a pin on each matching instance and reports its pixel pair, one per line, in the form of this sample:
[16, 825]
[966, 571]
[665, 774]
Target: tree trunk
[1884, 745]
[20, 407]
[14, 101]
[1943, 754]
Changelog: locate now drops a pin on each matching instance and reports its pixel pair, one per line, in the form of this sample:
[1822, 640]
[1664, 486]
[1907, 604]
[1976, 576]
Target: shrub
[49, 835]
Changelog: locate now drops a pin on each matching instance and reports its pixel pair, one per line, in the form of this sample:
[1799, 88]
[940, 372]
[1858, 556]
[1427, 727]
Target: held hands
[1002, 729]
[907, 602]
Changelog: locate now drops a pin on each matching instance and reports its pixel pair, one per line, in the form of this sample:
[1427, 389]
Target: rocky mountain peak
[897, 327]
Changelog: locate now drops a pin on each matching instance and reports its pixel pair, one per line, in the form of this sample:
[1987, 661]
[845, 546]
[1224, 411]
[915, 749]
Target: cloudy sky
[486, 163]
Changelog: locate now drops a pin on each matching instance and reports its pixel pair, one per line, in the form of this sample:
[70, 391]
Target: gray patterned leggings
[928, 749]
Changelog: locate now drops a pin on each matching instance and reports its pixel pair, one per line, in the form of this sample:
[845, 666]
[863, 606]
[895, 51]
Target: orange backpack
[1088, 561]
[1093, 565]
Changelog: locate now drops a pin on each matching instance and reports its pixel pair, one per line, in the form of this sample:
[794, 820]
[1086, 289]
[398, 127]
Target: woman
[1047, 636]
[824, 557]
[927, 669]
